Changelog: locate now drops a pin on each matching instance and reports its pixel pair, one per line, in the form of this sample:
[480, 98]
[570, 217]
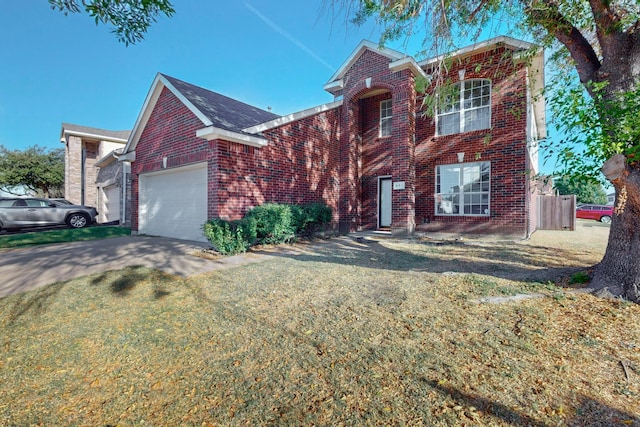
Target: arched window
[464, 107]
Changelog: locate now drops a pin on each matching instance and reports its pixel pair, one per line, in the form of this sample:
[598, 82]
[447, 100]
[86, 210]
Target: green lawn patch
[61, 236]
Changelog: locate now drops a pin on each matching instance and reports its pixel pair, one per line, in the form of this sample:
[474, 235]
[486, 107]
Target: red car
[600, 213]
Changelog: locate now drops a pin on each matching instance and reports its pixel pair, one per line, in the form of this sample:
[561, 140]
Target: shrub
[229, 237]
[273, 223]
[308, 218]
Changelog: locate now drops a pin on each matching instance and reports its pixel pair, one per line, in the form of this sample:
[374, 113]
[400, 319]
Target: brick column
[404, 166]
[349, 174]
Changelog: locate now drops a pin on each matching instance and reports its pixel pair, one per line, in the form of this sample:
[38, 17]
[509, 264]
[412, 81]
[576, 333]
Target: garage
[110, 209]
[173, 203]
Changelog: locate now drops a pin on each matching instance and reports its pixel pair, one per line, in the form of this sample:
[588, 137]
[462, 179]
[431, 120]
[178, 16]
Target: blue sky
[267, 53]
[59, 68]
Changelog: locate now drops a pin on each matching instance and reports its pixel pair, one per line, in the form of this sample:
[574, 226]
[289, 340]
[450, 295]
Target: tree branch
[546, 14]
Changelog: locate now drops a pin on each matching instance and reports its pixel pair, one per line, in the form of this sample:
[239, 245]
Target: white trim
[462, 110]
[359, 50]
[94, 136]
[204, 119]
[462, 193]
[159, 82]
[484, 45]
[212, 132]
[384, 101]
[407, 63]
[293, 117]
[335, 86]
[113, 154]
[175, 169]
[127, 157]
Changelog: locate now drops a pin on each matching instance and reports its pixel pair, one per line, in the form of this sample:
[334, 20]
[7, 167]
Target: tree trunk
[618, 274]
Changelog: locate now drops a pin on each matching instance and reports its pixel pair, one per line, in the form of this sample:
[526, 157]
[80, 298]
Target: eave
[211, 132]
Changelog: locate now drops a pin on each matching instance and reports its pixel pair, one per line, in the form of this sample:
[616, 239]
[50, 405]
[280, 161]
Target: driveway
[25, 269]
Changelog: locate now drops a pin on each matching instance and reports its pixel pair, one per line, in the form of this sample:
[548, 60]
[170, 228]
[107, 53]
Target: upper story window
[385, 118]
[463, 189]
[464, 107]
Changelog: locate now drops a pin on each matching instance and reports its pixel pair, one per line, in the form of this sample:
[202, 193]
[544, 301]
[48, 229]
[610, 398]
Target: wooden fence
[557, 213]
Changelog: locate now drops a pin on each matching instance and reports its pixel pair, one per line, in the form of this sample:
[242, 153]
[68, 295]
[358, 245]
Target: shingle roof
[117, 134]
[224, 112]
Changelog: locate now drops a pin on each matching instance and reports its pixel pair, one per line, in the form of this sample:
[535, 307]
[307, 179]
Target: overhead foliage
[585, 191]
[34, 171]
[131, 19]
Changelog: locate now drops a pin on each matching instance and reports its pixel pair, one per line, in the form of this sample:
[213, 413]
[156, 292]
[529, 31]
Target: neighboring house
[371, 155]
[611, 198]
[93, 176]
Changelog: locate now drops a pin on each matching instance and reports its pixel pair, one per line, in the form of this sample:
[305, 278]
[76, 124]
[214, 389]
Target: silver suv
[33, 212]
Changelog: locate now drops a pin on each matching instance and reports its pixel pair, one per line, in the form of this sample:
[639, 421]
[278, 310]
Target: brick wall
[171, 133]
[336, 156]
[504, 145]
[357, 169]
[90, 173]
[299, 165]
[72, 170]
[376, 158]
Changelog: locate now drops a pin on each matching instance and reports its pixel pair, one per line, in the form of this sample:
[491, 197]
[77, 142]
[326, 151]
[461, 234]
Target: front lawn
[385, 332]
[61, 235]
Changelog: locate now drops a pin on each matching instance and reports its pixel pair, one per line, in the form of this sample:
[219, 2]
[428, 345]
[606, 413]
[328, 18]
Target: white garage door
[173, 203]
[111, 208]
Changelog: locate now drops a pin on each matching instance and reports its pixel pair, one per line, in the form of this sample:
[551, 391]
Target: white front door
[384, 202]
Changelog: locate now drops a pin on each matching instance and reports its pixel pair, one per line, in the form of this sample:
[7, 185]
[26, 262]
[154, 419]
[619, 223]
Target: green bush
[273, 223]
[229, 237]
[310, 217]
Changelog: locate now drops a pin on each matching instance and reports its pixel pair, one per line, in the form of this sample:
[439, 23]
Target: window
[465, 106]
[463, 189]
[385, 118]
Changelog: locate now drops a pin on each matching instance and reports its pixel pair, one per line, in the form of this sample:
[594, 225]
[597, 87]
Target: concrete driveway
[25, 269]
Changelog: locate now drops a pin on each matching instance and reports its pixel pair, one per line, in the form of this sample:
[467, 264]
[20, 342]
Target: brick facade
[337, 156]
[90, 165]
[504, 145]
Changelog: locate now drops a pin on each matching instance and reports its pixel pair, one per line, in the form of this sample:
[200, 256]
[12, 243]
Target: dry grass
[341, 333]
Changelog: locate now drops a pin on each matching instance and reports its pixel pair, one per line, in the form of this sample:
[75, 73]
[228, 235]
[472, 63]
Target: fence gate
[557, 213]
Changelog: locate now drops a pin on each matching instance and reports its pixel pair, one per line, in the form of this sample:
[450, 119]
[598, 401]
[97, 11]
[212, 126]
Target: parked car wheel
[606, 219]
[77, 220]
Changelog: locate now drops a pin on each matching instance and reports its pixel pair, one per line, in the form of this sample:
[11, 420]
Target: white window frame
[386, 116]
[460, 198]
[462, 108]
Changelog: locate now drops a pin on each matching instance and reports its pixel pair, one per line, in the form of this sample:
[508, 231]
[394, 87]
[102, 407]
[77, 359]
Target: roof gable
[94, 133]
[219, 110]
[364, 45]
[214, 110]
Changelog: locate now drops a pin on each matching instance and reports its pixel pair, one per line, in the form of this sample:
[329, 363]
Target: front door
[384, 202]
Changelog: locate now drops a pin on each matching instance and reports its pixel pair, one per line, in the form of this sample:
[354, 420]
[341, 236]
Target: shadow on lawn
[122, 282]
[503, 260]
[590, 412]
[36, 302]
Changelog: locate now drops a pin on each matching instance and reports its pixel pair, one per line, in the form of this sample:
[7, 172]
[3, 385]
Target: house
[611, 198]
[372, 155]
[93, 176]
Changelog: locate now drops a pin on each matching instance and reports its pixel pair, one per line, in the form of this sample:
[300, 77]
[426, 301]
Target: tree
[600, 41]
[586, 191]
[34, 171]
[131, 18]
